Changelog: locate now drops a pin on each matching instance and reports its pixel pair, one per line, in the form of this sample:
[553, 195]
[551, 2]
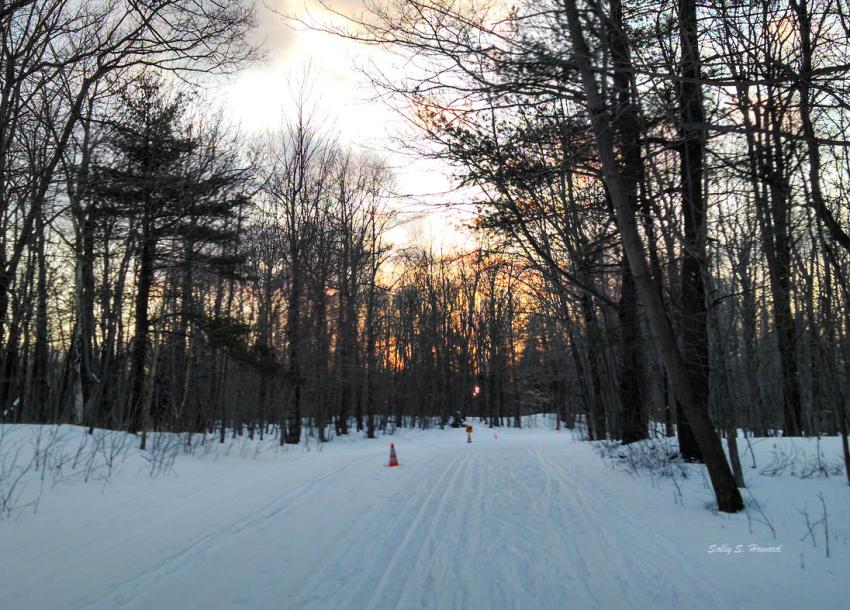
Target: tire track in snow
[495, 507]
[487, 514]
[534, 558]
[331, 578]
[451, 472]
[468, 527]
[592, 545]
[451, 514]
[641, 568]
[596, 534]
[126, 591]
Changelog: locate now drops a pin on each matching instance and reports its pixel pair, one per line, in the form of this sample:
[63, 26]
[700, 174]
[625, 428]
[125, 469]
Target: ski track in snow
[518, 523]
[501, 525]
[645, 584]
[125, 592]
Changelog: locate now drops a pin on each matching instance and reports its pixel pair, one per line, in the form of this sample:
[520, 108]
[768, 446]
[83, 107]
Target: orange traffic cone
[393, 458]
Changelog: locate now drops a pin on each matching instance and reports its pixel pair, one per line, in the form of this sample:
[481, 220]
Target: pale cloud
[258, 97]
[261, 98]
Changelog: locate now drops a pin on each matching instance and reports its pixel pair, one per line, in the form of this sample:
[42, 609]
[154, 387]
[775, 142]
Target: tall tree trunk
[694, 333]
[140, 330]
[40, 372]
[726, 491]
[596, 414]
[627, 129]
[633, 424]
[371, 359]
[291, 427]
[768, 160]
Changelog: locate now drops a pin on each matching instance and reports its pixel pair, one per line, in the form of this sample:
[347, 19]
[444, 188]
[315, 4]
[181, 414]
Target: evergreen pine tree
[178, 198]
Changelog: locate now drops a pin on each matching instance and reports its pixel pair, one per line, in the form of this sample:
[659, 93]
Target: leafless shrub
[825, 520]
[657, 457]
[795, 461]
[811, 526]
[14, 466]
[164, 448]
[760, 516]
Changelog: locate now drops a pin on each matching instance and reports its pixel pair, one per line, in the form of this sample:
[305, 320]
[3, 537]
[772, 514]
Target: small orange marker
[393, 458]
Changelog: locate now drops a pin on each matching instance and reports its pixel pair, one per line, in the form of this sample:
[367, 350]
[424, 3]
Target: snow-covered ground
[531, 520]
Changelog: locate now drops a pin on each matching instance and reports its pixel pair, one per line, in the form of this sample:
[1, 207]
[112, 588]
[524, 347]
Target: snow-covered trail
[522, 522]
[499, 524]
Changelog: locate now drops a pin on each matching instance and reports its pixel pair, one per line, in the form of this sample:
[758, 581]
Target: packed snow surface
[530, 520]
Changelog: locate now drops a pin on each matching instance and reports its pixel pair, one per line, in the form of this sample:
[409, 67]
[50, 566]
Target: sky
[260, 97]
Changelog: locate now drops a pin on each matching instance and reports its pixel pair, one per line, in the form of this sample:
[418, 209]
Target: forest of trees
[161, 272]
[662, 243]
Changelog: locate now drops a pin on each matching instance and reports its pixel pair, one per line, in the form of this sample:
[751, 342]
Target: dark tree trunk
[726, 491]
[40, 372]
[633, 425]
[596, 415]
[291, 427]
[140, 332]
[627, 130]
[694, 332]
